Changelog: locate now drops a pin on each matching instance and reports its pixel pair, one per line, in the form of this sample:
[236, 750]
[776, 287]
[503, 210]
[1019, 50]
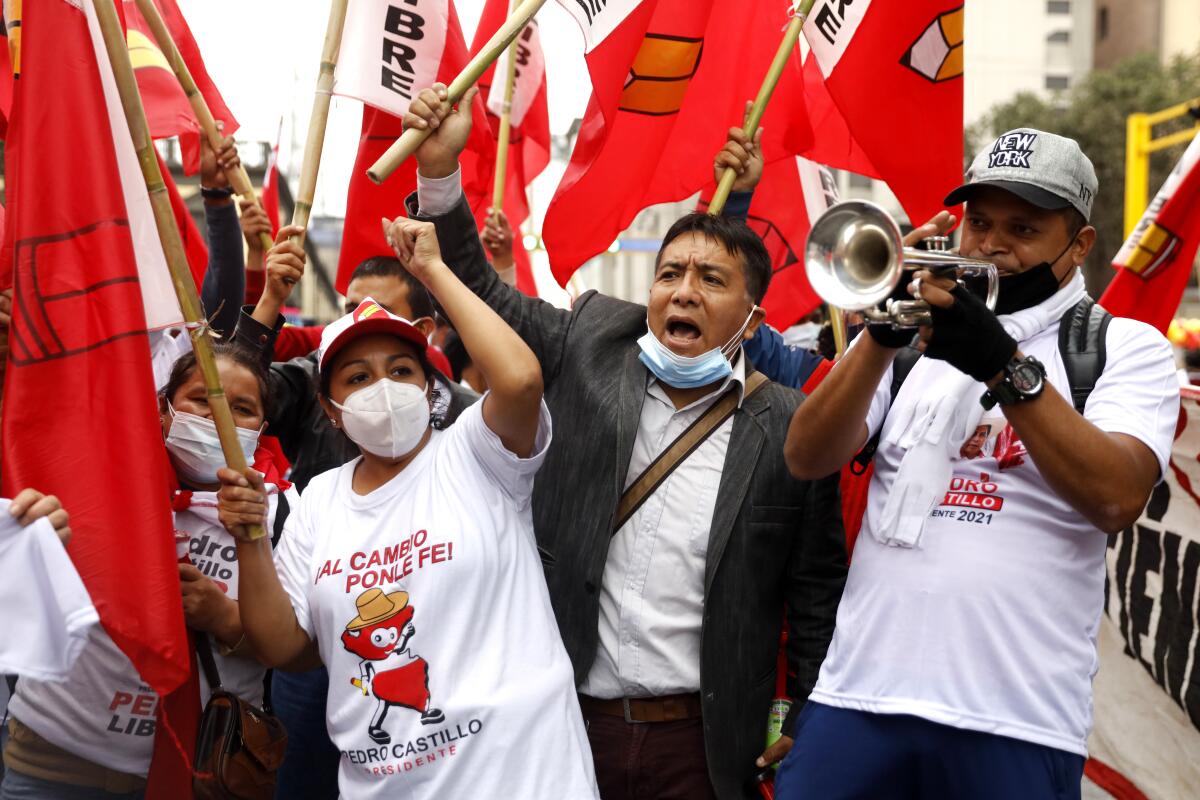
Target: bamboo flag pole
[164, 218]
[320, 114]
[237, 177]
[510, 77]
[791, 36]
[412, 138]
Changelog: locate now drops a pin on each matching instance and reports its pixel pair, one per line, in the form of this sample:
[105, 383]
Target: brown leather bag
[239, 747]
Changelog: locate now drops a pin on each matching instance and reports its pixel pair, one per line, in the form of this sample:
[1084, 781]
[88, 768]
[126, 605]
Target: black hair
[1075, 220]
[737, 238]
[388, 267]
[182, 371]
[456, 353]
[437, 418]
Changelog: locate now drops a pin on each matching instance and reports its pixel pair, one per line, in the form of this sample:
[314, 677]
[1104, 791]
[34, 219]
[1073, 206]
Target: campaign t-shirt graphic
[380, 635]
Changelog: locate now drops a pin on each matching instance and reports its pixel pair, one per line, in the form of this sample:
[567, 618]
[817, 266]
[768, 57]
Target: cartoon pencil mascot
[380, 636]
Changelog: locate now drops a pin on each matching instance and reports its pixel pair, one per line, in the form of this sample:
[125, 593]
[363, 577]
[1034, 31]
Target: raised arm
[267, 617]
[225, 279]
[514, 377]
[830, 426]
[440, 200]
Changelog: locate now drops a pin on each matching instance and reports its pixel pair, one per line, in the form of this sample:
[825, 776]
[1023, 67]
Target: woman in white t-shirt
[412, 572]
[92, 734]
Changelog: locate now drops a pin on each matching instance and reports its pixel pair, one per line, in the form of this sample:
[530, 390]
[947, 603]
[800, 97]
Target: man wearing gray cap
[965, 645]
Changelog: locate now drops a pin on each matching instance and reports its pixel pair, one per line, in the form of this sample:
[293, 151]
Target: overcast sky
[263, 55]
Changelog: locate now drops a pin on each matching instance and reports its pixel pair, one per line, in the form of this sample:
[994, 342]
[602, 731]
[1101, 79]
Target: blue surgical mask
[688, 372]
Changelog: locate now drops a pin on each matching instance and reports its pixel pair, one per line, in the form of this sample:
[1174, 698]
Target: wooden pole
[320, 114]
[237, 177]
[164, 218]
[412, 138]
[510, 76]
[837, 321]
[790, 37]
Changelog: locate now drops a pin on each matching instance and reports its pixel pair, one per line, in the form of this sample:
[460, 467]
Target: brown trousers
[649, 760]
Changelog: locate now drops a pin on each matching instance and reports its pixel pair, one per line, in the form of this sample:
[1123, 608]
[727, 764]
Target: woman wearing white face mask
[93, 735]
[412, 572]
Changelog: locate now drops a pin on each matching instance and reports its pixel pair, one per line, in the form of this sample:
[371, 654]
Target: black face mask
[1030, 287]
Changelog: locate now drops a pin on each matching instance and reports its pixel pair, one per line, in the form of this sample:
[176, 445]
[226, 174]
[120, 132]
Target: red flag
[80, 419]
[1154, 264]
[792, 193]
[168, 111]
[529, 137]
[668, 83]
[8, 47]
[894, 70]
[366, 202]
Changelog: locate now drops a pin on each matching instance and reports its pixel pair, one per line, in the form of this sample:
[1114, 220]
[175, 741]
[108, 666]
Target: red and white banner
[1154, 264]
[1147, 692]
[391, 51]
[529, 79]
[158, 294]
[529, 134]
[666, 87]
[894, 72]
[80, 418]
[439, 38]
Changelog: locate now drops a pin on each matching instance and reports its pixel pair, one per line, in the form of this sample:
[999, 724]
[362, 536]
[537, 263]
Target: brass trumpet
[855, 257]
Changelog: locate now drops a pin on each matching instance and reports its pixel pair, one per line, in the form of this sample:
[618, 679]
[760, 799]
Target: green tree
[1093, 113]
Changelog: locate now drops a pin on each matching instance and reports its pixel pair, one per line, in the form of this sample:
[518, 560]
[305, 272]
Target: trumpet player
[965, 645]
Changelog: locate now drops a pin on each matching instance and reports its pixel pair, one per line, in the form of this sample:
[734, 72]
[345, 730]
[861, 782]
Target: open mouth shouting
[682, 335]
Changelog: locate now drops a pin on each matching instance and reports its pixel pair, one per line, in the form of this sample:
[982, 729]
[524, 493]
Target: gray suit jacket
[776, 547]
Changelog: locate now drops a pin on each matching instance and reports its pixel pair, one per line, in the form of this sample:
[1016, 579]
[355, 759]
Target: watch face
[1026, 378]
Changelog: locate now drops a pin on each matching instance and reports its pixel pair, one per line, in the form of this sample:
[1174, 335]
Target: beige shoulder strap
[683, 446]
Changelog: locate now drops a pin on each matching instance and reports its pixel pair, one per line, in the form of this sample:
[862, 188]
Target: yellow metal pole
[1137, 169]
[1140, 143]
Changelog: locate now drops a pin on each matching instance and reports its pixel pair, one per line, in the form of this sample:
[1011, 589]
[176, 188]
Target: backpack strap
[1081, 336]
[902, 365]
[282, 509]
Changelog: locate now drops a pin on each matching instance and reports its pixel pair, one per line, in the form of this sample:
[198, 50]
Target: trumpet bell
[854, 255]
[855, 258]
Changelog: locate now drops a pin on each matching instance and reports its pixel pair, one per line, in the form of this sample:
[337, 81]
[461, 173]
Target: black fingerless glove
[969, 337]
[882, 332]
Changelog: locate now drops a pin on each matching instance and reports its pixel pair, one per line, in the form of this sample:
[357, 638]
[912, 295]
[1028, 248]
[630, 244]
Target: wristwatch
[1024, 379]
[216, 194]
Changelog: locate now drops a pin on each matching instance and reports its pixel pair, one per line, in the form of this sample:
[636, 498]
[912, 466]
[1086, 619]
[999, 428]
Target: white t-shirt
[103, 712]
[426, 598]
[46, 609]
[990, 624]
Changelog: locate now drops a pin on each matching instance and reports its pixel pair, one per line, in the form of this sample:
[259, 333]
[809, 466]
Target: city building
[1127, 27]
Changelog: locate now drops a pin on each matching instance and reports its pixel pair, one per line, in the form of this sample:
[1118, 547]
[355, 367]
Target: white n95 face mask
[195, 447]
[388, 418]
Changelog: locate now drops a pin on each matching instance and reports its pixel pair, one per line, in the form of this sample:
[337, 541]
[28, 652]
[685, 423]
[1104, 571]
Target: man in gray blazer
[672, 622]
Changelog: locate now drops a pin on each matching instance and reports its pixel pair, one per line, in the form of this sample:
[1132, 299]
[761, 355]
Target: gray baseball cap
[1045, 169]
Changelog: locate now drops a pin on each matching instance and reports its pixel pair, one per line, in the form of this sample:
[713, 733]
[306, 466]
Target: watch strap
[1005, 393]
